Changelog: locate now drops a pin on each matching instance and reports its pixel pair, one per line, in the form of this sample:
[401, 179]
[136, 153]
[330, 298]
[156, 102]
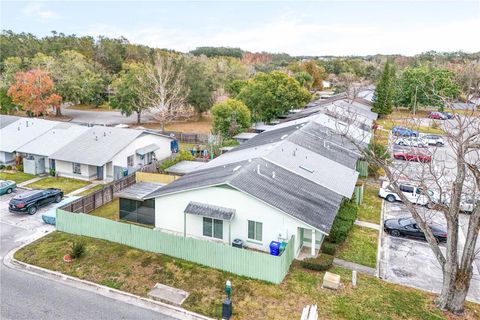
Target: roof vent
[284, 136]
[96, 138]
[307, 169]
[236, 168]
[258, 169]
[104, 134]
[273, 174]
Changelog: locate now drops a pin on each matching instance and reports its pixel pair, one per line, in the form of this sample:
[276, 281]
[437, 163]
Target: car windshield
[405, 221]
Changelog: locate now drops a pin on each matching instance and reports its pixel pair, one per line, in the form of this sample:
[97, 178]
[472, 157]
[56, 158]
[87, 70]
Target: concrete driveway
[102, 117]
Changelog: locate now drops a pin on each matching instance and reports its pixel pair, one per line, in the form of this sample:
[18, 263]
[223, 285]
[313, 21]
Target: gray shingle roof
[97, 146]
[6, 120]
[139, 190]
[208, 210]
[293, 194]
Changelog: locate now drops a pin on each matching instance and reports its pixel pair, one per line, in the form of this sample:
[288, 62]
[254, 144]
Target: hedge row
[343, 222]
[321, 263]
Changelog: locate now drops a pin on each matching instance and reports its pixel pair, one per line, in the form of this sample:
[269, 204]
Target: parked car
[433, 140]
[404, 132]
[7, 186]
[30, 201]
[413, 155]
[412, 142]
[449, 115]
[467, 203]
[414, 194]
[407, 227]
[437, 115]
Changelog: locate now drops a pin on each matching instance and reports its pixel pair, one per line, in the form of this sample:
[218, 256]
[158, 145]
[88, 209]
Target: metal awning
[208, 210]
[147, 149]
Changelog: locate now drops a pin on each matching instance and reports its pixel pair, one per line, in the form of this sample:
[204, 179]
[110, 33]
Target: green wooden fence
[247, 263]
[362, 168]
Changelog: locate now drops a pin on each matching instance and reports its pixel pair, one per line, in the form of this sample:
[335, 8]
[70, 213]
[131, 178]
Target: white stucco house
[108, 153]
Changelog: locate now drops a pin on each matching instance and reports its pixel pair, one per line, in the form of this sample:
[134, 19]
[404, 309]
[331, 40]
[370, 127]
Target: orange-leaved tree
[33, 91]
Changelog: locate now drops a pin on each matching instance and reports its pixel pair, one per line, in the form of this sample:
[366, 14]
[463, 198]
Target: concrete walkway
[354, 266]
[25, 183]
[90, 186]
[367, 225]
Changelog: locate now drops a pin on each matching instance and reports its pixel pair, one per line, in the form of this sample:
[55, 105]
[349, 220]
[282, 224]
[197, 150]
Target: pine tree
[385, 91]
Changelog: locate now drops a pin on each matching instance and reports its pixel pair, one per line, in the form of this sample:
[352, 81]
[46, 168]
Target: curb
[121, 296]
[380, 242]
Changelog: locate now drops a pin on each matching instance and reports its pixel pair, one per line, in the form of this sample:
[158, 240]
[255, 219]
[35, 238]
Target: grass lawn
[18, 177]
[89, 107]
[137, 271]
[108, 211]
[66, 184]
[360, 247]
[91, 190]
[412, 123]
[371, 207]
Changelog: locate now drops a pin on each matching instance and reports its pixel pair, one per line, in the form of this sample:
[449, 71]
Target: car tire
[439, 144]
[58, 198]
[390, 198]
[9, 190]
[429, 205]
[32, 210]
[401, 158]
[395, 233]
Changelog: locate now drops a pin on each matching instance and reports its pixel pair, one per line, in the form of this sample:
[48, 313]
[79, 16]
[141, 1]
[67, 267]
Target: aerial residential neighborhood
[239, 160]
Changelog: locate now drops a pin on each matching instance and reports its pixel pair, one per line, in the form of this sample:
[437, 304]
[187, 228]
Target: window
[77, 168]
[212, 228]
[130, 161]
[255, 230]
[407, 189]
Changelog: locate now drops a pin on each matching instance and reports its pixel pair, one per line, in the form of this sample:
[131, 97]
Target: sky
[298, 28]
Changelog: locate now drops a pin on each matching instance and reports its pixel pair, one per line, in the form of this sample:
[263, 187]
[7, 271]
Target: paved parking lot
[21, 220]
[411, 262]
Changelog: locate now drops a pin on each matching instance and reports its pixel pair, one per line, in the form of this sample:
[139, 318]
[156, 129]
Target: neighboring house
[108, 153]
[18, 132]
[244, 136]
[37, 153]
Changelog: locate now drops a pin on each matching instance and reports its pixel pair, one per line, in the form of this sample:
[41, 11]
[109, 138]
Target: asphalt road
[101, 117]
[26, 296]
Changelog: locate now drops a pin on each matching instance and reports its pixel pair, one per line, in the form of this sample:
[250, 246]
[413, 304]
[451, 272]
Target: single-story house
[16, 132]
[37, 153]
[108, 153]
[256, 201]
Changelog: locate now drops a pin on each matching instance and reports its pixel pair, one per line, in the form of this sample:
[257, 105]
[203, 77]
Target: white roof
[343, 128]
[53, 140]
[22, 131]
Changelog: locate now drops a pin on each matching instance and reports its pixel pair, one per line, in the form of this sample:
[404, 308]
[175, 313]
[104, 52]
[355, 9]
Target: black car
[30, 201]
[407, 227]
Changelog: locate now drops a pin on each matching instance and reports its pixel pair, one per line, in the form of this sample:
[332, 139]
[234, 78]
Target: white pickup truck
[413, 194]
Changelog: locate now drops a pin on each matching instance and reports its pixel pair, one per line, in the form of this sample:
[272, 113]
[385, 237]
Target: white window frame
[77, 168]
[132, 162]
[255, 229]
[212, 221]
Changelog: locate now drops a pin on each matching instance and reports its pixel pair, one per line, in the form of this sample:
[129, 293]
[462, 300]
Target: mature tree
[166, 77]
[271, 95]
[230, 118]
[317, 72]
[234, 87]
[131, 90]
[33, 91]
[11, 66]
[218, 51]
[305, 79]
[111, 53]
[385, 91]
[423, 86]
[200, 84]
[44, 62]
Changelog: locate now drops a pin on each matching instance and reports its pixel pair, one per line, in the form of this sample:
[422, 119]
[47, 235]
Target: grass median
[360, 247]
[17, 176]
[137, 271]
[66, 184]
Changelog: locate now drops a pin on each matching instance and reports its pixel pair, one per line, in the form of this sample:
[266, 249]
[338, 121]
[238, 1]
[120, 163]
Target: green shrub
[8, 167]
[52, 172]
[2, 166]
[182, 155]
[230, 143]
[78, 249]
[343, 223]
[19, 167]
[320, 263]
[329, 248]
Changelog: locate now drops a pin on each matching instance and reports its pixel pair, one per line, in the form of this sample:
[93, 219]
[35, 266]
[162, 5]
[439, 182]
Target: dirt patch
[202, 125]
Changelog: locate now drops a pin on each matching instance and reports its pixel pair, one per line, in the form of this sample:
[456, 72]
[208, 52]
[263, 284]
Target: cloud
[305, 37]
[38, 11]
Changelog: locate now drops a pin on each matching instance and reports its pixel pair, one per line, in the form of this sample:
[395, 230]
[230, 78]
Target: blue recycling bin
[274, 248]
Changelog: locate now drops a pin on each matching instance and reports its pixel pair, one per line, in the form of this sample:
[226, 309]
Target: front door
[100, 173]
[52, 164]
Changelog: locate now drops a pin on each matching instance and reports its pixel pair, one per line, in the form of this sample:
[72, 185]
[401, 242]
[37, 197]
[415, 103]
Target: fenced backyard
[220, 256]
[197, 138]
[100, 197]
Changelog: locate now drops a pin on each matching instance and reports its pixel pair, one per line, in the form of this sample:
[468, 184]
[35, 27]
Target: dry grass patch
[137, 272]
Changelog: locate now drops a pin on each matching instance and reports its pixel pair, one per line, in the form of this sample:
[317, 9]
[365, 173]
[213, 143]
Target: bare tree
[166, 77]
[454, 177]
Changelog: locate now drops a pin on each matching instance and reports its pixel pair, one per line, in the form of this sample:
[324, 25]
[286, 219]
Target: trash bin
[237, 243]
[283, 245]
[274, 248]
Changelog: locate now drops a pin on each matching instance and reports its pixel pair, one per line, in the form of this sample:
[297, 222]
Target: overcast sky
[297, 28]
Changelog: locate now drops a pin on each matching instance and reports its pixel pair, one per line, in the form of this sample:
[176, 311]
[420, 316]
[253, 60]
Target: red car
[412, 156]
[437, 115]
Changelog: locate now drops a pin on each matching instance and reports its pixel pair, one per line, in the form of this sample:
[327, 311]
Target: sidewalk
[120, 296]
[25, 183]
[90, 186]
[354, 266]
[367, 224]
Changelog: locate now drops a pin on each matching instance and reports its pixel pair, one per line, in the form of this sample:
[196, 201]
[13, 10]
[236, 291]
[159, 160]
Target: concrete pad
[168, 294]
[331, 281]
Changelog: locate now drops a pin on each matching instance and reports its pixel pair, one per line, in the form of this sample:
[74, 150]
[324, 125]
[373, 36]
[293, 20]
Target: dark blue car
[404, 132]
